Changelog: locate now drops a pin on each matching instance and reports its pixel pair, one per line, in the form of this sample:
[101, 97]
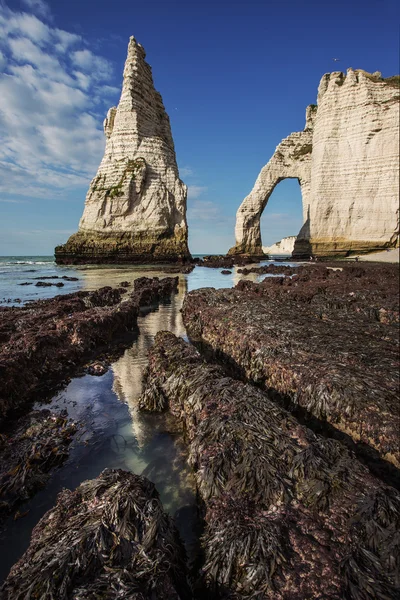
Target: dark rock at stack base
[119, 248]
[135, 209]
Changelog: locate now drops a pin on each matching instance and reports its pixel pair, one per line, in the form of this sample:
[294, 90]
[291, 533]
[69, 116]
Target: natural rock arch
[291, 160]
[347, 163]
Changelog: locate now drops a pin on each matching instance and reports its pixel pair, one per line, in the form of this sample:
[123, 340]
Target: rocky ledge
[43, 342]
[324, 343]
[110, 538]
[289, 514]
[36, 444]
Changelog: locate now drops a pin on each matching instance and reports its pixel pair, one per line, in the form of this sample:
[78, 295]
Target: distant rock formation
[347, 164]
[285, 246]
[135, 208]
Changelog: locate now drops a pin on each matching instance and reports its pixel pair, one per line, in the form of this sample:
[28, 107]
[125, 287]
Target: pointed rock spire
[135, 208]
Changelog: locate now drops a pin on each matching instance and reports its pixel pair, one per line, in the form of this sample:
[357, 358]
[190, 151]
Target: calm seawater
[113, 432]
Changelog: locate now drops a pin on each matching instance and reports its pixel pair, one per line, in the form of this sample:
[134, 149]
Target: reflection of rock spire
[128, 370]
[135, 208]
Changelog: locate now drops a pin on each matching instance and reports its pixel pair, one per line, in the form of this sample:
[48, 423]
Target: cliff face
[285, 246]
[135, 208]
[347, 166]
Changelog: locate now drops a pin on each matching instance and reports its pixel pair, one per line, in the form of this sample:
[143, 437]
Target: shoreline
[328, 329]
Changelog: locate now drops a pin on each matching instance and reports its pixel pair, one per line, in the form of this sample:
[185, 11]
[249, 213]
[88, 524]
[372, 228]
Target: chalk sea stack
[347, 163]
[135, 209]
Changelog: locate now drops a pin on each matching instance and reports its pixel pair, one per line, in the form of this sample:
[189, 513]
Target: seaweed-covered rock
[324, 342]
[110, 538]
[43, 342]
[289, 515]
[38, 443]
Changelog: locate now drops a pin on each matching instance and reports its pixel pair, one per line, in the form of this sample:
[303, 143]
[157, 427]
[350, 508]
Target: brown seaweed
[43, 342]
[37, 444]
[324, 341]
[289, 515]
[110, 538]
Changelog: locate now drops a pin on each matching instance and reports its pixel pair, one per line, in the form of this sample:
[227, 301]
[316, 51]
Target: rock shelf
[323, 342]
[44, 342]
[110, 538]
[38, 443]
[289, 514]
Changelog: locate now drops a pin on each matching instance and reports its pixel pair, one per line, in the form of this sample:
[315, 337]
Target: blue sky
[235, 78]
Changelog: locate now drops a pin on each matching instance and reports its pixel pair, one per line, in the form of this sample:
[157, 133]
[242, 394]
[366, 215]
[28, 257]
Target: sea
[112, 432]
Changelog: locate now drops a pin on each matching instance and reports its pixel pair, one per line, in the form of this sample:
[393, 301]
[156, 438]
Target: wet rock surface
[46, 341]
[49, 284]
[289, 514]
[28, 452]
[185, 269]
[215, 261]
[110, 538]
[324, 342]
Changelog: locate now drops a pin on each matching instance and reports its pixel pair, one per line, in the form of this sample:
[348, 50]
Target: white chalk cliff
[135, 208]
[284, 247]
[347, 164]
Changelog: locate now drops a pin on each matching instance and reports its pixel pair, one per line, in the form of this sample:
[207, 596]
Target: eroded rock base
[121, 247]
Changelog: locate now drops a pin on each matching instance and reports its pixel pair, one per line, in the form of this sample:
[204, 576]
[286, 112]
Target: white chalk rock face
[350, 177]
[135, 208]
[284, 247]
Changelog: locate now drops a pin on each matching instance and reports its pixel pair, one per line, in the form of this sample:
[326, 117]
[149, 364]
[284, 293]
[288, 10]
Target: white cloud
[28, 25]
[39, 7]
[205, 210]
[98, 66]
[24, 51]
[109, 89]
[51, 141]
[194, 191]
[83, 80]
[64, 39]
[186, 172]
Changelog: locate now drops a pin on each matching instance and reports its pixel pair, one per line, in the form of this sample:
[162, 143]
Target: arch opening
[283, 214]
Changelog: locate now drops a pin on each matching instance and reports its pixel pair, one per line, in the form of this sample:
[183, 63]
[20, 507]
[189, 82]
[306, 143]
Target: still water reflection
[113, 432]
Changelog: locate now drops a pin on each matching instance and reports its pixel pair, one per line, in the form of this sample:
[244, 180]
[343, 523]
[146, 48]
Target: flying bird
[335, 59]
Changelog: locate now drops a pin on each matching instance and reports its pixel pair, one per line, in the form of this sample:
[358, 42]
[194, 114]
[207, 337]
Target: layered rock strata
[285, 246]
[110, 538]
[324, 343]
[288, 514]
[44, 342]
[135, 208]
[347, 164]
